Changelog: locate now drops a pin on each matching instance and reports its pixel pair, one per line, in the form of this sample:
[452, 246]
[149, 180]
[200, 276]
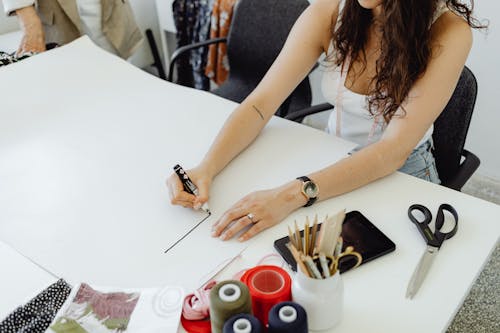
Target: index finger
[177, 191]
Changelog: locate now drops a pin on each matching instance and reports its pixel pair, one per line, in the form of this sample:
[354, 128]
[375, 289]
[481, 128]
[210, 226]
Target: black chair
[258, 32]
[455, 164]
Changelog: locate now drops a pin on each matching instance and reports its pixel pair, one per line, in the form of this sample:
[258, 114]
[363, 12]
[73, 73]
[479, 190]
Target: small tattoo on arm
[258, 111]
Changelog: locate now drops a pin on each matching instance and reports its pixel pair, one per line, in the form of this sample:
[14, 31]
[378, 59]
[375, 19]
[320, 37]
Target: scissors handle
[423, 225]
[442, 236]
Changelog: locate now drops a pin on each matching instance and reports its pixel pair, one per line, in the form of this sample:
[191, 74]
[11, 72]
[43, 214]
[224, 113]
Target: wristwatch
[309, 189]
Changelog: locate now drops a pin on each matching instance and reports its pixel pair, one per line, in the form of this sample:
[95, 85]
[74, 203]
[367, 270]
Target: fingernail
[214, 233]
[223, 236]
[241, 239]
[197, 206]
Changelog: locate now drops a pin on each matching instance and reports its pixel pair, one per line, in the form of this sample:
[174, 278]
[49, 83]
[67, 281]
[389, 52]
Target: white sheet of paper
[86, 144]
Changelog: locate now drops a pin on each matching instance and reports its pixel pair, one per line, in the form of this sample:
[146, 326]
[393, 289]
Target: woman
[394, 66]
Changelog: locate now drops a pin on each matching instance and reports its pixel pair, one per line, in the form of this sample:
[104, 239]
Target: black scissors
[434, 241]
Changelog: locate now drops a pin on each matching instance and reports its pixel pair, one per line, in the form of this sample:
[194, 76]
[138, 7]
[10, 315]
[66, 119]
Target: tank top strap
[440, 9]
[341, 9]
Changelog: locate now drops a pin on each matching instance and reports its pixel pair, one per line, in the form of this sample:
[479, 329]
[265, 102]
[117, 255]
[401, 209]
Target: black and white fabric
[10, 58]
[37, 314]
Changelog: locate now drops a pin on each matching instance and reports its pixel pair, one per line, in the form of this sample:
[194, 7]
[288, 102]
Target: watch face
[310, 189]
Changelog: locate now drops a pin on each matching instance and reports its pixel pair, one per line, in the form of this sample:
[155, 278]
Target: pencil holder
[322, 299]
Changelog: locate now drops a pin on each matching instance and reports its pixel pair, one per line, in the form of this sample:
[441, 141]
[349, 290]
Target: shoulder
[325, 13]
[451, 30]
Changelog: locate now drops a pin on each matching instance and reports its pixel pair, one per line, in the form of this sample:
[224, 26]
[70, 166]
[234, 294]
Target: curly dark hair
[405, 46]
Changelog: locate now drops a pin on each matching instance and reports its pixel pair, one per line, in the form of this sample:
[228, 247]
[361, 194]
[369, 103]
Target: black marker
[188, 184]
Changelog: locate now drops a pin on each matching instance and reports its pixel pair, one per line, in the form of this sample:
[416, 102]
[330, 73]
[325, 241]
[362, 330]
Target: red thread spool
[196, 326]
[268, 285]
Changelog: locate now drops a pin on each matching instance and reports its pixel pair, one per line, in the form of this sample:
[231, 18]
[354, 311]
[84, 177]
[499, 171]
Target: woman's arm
[33, 34]
[452, 40]
[302, 49]
[305, 43]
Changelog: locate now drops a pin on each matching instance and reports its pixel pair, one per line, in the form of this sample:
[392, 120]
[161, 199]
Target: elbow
[395, 155]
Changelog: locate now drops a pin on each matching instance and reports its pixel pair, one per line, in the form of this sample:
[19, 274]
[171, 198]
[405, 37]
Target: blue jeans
[421, 163]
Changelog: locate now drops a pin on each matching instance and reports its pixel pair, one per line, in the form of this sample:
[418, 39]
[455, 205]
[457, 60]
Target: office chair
[258, 32]
[455, 165]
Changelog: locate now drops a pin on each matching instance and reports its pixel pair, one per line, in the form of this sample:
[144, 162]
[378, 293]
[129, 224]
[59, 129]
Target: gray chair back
[452, 125]
[258, 32]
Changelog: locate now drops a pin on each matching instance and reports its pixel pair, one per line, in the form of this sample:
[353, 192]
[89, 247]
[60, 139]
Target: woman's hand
[178, 196]
[259, 210]
[33, 35]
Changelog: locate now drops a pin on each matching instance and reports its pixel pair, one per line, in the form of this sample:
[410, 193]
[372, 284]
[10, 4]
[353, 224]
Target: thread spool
[227, 299]
[287, 317]
[196, 326]
[243, 323]
[268, 285]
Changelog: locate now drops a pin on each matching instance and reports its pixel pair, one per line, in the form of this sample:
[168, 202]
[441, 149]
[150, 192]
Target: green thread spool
[227, 299]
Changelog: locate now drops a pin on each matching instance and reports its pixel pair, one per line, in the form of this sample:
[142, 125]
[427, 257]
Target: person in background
[109, 23]
[393, 66]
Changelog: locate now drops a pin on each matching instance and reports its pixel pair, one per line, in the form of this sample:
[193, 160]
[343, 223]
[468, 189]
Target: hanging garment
[37, 314]
[217, 68]
[192, 21]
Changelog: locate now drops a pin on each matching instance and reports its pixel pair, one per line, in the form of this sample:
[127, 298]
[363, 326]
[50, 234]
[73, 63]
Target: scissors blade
[421, 271]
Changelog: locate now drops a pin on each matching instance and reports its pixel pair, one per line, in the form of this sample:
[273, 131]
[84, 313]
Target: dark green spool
[225, 302]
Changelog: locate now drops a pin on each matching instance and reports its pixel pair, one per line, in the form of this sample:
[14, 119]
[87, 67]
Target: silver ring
[251, 217]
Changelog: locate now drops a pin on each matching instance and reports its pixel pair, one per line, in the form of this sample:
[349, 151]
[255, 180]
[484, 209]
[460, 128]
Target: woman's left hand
[259, 210]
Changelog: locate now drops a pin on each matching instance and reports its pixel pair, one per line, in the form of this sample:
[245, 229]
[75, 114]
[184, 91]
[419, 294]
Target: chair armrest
[298, 115]
[183, 49]
[465, 170]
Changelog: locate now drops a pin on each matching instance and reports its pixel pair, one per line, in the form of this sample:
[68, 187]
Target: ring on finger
[251, 217]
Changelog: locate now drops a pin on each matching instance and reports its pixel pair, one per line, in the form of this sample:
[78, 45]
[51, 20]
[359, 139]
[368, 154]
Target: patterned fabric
[94, 311]
[192, 21]
[10, 58]
[37, 314]
[217, 67]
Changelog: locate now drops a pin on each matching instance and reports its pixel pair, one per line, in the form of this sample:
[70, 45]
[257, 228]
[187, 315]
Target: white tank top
[350, 118]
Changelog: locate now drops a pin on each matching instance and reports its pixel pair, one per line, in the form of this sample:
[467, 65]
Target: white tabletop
[84, 156]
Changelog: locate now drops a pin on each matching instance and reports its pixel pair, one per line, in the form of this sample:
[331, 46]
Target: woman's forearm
[371, 163]
[238, 132]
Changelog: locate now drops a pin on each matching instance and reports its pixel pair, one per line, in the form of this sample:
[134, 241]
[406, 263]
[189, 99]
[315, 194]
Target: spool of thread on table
[227, 299]
[268, 285]
[243, 323]
[287, 317]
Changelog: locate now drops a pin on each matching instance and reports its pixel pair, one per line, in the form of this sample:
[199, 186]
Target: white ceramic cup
[322, 299]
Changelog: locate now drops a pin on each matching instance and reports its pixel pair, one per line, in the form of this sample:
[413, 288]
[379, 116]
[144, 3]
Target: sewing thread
[286, 317]
[227, 299]
[243, 323]
[268, 285]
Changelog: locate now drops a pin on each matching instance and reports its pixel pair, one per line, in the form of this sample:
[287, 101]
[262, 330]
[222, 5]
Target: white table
[82, 166]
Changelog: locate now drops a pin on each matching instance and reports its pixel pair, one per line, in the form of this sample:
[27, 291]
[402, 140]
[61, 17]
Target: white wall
[146, 16]
[484, 60]
[7, 24]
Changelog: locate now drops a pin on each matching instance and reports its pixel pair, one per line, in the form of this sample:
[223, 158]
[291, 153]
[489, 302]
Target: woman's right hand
[33, 34]
[178, 196]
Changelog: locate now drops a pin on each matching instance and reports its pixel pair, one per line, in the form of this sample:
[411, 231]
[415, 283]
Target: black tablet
[357, 231]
